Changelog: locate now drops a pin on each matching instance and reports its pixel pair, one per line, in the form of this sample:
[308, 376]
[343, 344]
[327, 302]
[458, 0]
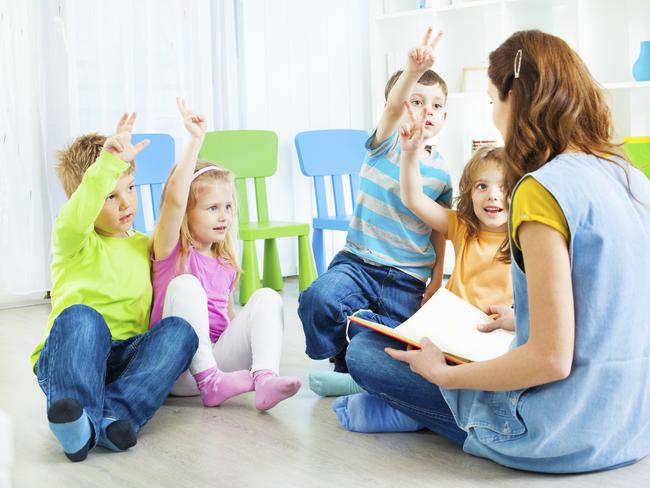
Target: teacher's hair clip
[518, 57]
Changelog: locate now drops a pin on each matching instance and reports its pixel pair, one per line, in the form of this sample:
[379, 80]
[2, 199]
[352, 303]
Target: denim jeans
[349, 285]
[393, 381]
[122, 379]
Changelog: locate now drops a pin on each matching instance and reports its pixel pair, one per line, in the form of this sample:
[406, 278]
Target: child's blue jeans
[350, 284]
[393, 381]
[127, 379]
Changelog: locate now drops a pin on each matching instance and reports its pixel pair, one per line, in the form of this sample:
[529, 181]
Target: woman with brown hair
[573, 393]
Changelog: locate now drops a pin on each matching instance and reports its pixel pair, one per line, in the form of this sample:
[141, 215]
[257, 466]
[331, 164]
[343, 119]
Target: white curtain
[24, 205]
[305, 67]
[73, 66]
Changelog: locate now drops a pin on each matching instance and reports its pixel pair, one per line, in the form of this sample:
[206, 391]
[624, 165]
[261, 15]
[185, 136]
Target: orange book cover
[450, 323]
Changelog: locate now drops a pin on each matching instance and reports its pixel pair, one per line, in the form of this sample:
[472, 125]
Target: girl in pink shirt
[195, 272]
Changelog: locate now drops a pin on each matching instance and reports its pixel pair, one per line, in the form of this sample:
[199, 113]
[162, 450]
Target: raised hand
[195, 124]
[411, 135]
[504, 318]
[120, 143]
[421, 58]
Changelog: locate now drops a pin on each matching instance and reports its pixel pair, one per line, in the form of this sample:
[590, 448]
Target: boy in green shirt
[104, 375]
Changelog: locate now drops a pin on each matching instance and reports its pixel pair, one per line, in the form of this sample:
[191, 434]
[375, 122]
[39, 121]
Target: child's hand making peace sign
[421, 58]
[120, 143]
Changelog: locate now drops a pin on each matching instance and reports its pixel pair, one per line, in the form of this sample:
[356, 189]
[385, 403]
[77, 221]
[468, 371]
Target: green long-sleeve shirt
[110, 274]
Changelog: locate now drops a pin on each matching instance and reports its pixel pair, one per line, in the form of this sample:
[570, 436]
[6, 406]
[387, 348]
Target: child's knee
[270, 299]
[185, 286]
[177, 333]
[317, 300]
[81, 321]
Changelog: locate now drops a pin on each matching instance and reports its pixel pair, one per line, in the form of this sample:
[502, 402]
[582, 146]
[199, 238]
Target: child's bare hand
[195, 124]
[120, 143]
[423, 57]
[505, 319]
[411, 135]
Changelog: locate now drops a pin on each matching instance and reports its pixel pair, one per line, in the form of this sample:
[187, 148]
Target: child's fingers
[121, 122]
[411, 115]
[113, 144]
[128, 125]
[140, 146]
[423, 117]
[436, 40]
[427, 36]
[180, 104]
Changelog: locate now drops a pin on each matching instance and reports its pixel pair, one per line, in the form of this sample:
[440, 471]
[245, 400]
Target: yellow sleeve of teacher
[534, 203]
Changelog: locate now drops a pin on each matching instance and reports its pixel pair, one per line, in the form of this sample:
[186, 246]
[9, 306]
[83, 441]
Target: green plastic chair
[638, 151]
[254, 154]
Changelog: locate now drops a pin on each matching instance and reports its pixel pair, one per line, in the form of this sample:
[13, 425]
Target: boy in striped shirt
[389, 252]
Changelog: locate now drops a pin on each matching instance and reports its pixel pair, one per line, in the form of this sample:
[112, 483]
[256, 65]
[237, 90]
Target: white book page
[450, 322]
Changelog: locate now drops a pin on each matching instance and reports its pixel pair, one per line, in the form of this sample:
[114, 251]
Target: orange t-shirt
[478, 277]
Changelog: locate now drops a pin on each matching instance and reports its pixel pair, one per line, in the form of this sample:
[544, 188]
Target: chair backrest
[151, 171]
[333, 153]
[638, 151]
[248, 154]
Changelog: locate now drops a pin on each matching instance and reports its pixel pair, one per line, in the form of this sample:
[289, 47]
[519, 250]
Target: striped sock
[71, 426]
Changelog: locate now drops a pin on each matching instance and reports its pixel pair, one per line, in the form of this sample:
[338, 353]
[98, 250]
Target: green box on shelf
[638, 151]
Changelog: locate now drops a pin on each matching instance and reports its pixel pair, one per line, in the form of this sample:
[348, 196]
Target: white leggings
[253, 340]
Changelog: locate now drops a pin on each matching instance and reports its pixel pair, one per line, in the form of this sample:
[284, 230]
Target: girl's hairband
[204, 170]
[518, 57]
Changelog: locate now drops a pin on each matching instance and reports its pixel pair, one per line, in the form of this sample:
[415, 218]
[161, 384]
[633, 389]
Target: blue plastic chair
[151, 170]
[333, 153]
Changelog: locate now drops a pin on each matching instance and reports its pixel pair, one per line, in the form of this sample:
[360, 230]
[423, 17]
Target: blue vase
[641, 69]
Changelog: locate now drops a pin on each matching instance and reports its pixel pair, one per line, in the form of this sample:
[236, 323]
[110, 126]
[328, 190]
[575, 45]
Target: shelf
[626, 85]
[468, 5]
[418, 12]
[451, 8]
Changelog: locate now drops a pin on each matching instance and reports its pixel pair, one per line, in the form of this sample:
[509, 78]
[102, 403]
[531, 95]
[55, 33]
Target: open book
[450, 322]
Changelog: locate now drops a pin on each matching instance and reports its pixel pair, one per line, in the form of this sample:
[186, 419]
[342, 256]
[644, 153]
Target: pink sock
[271, 389]
[217, 386]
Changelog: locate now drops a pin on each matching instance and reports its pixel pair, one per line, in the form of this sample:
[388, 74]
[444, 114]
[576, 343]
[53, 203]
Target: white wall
[304, 66]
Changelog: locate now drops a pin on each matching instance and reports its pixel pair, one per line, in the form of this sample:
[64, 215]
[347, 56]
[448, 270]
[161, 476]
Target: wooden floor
[297, 444]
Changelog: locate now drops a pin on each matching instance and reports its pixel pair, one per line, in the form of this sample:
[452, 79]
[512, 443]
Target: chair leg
[250, 278]
[318, 246]
[272, 272]
[306, 267]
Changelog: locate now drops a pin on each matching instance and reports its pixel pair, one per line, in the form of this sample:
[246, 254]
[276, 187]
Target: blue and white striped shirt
[383, 231]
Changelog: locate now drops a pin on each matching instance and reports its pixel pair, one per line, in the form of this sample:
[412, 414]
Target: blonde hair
[74, 160]
[225, 249]
[464, 204]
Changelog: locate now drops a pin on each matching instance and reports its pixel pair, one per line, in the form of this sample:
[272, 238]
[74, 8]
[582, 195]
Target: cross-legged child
[573, 393]
[103, 374]
[388, 255]
[195, 272]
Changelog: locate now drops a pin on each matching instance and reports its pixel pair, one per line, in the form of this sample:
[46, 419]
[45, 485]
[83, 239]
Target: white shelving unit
[605, 33]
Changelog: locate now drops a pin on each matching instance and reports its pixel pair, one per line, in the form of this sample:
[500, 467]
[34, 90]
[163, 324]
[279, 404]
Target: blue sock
[331, 383]
[71, 426]
[116, 435]
[367, 413]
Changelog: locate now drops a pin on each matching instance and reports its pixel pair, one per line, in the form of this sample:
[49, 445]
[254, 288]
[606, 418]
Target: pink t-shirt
[215, 275]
